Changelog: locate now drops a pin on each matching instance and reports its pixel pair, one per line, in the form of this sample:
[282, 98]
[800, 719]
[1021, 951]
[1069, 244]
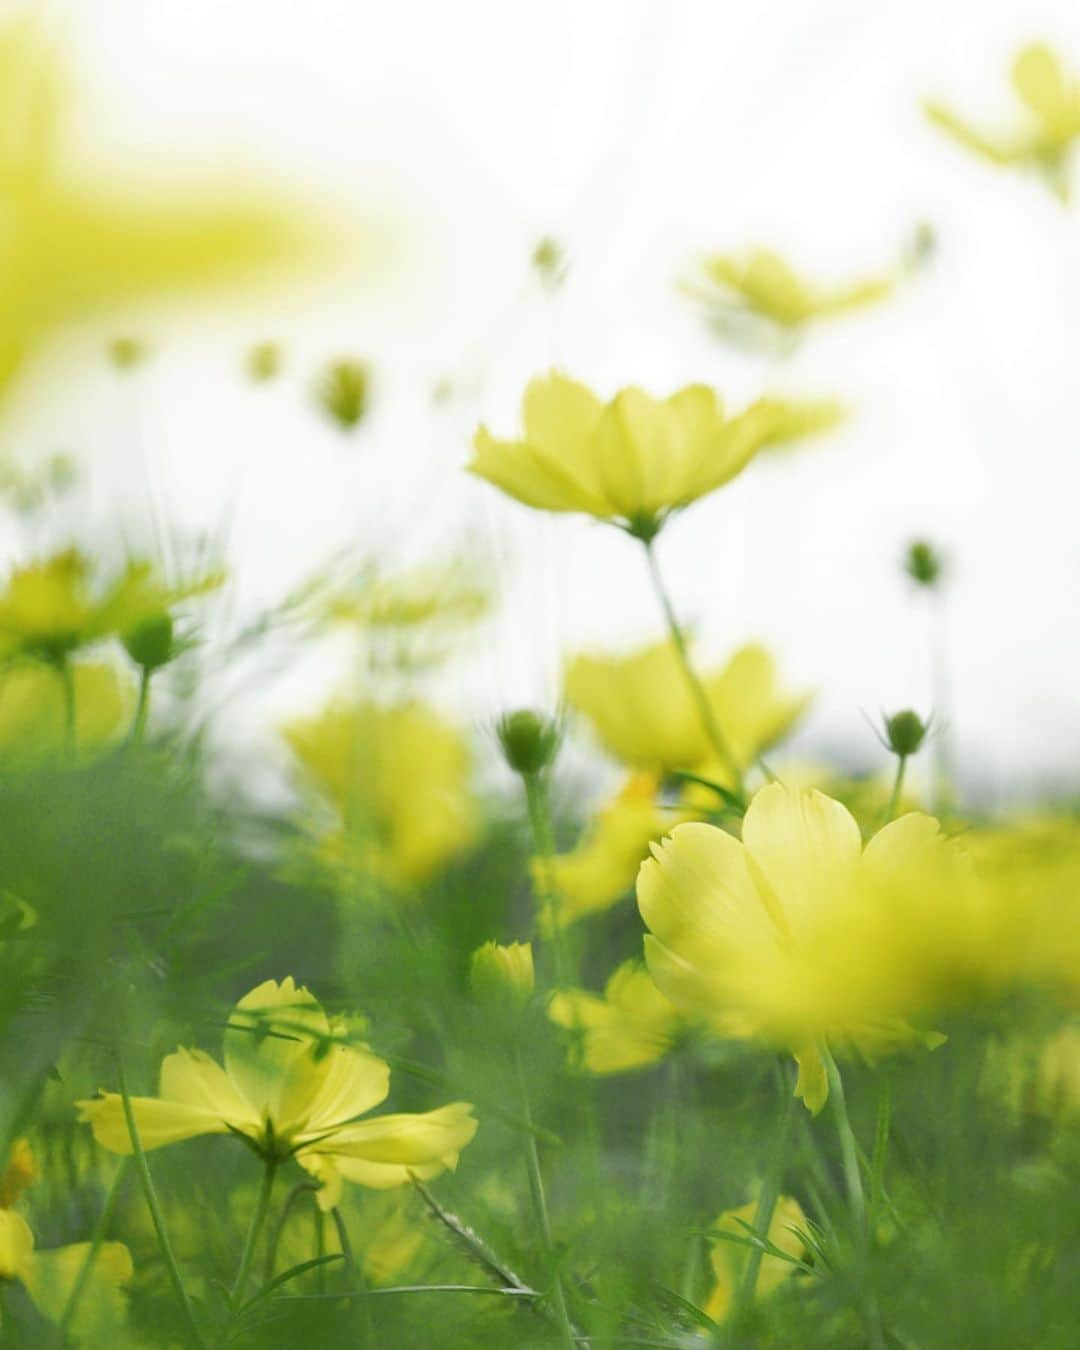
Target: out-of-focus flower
[1051, 122]
[643, 713]
[50, 610]
[293, 1088]
[550, 263]
[33, 716]
[397, 781]
[799, 935]
[1039, 1077]
[50, 1277]
[503, 976]
[601, 869]
[73, 249]
[343, 392]
[28, 489]
[761, 284]
[729, 1259]
[631, 1026]
[633, 460]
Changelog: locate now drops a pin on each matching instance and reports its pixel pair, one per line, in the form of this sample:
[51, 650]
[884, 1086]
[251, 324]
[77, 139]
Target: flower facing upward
[643, 713]
[799, 935]
[291, 1087]
[1051, 125]
[631, 461]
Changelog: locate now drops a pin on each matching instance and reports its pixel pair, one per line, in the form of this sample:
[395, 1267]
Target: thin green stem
[258, 1219]
[698, 693]
[142, 1168]
[897, 788]
[881, 1142]
[67, 678]
[849, 1154]
[538, 805]
[320, 1248]
[539, 1197]
[96, 1239]
[142, 707]
[768, 1197]
[301, 1188]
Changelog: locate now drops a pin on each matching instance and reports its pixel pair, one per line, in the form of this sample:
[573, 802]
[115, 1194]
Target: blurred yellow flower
[503, 976]
[601, 869]
[397, 781]
[293, 1088]
[642, 711]
[633, 460]
[632, 1026]
[1051, 126]
[75, 248]
[799, 935]
[50, 610]
[33, 718]
[729, 1259]
[762, 284]
[50, 1277]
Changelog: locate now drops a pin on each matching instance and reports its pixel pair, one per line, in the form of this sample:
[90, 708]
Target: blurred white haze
[638, 133]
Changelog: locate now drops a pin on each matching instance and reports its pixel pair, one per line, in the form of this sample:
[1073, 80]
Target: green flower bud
[549, 260]
[150, 643]
[905, 732]
[502, 976]
[126, 352]
[528, 739]
[923, 564]
[264, 361]
[344, 392]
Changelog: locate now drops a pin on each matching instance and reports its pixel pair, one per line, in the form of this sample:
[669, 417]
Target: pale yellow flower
[293, 1088]
[1050, 125]
[633, 460]
[600, 870]
[73, 248]
[800, 936]
[632, 1026]
[397, 780]
[33, 715]
[729, 1259]
[642, 712]
[760, 283]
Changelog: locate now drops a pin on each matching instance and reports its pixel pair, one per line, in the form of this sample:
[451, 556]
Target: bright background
[638, 134]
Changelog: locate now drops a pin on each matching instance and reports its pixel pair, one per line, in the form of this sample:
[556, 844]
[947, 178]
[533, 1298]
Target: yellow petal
[269, 1051]
[158, 1122]
[812, 1083]
[50, 1279]
[408, 1139]
[355, 1081]
[16, 1245]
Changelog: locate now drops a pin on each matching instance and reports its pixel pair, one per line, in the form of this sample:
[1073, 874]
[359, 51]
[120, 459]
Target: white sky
[639, 133]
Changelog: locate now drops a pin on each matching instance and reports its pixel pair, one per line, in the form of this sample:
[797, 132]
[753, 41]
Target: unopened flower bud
[150, 643]
[344, 391]
[528, 739]
[905, 732]
[922, 563]
[502, 976]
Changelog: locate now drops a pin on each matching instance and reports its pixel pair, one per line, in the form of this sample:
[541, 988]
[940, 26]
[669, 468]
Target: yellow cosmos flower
[293, 1089]
[799, 935]
[50, 1277]
[729, 1259]
[643, 713]
[50, 609]
[761, 284]
[71, 250]
[1051, 124]
[632, 1026]
[601, 869]
[33, 716]
[397, 779]
[631, 461]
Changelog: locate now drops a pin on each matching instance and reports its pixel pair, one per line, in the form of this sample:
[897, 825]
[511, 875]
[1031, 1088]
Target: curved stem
[897, 788]
[301, 1188]
[258, 1218]
[156, 1216]
[767, 1201]
[711, 726]
[536, 1186]
[142, 708]
[96, 1239]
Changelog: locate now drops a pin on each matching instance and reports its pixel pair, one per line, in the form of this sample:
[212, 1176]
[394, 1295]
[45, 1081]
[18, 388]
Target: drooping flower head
[634, 460]
[292, 1087]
